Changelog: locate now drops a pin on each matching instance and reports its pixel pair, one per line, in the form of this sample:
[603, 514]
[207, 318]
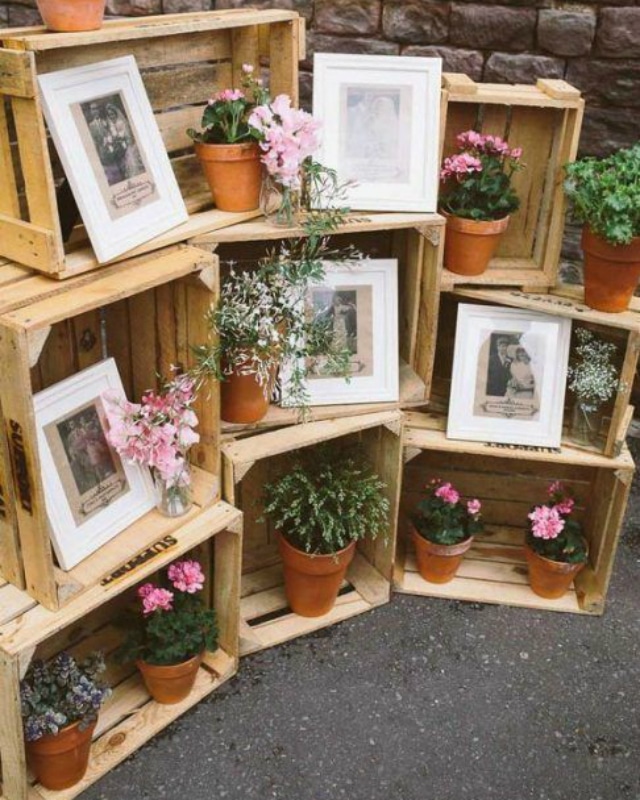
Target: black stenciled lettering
[141, 558]
[21, 470]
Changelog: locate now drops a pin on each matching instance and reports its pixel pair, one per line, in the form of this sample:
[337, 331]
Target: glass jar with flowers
[157, 433]
[555, 549]
[593, 380]
[477, 199]
[442, 530]
[168, 635]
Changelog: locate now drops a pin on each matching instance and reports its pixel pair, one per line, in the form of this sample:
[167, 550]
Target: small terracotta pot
[170, 684]
[60, 761]
[547, 578]
[234, 174]
[438, 563]
[312, 583]
[72, 15]
[243, 399]
[469, 245]
[611, 272]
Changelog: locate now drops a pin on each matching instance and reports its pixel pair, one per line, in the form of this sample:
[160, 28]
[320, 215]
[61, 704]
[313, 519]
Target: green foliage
[446, 519]
[605, 194]
[483, 196]
[328, 499]
[568, 546]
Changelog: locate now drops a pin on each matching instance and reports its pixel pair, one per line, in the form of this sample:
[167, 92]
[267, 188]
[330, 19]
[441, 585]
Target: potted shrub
[477, 200]
[326, 502]
[60, 701]
[555, 548]
[72, 15]
[169, 634]
[442, 530]
[605, 196]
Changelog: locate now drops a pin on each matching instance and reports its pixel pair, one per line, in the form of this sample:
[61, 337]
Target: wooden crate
[130, 717]
[416, 240]
[544, 120]
[147, 314]
[247, 465]
[183, 59]
[509, 480]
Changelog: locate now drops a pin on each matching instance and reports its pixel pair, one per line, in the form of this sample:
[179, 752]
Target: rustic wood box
[416, 240]
[509, 480]
[544, 120]
[265, 619]
[622, 329]
[147, 314]
[130, 717]
[183, 59]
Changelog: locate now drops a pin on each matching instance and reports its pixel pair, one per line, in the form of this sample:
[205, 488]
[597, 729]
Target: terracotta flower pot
[234, 174]
[312, 583]
[611, 272]
[242, 399]
[60, 761]
[72, 15]
[469, 245]
[438, 563]
[170, 684]
[547, 578]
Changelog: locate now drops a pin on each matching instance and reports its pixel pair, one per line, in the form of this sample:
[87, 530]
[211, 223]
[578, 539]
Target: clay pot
[469, 245]
[312, 583]
[234, 174]
[438, 563]
[72, 15]
[242, 399]
[60, 761]
[547, 578]
[611, 272]
[170, 684]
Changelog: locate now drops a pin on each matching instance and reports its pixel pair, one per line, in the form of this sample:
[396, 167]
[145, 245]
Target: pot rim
[570, 564]
[333, 555]
[448, 547]
[188, 661]
[50, 737]
[479, 226]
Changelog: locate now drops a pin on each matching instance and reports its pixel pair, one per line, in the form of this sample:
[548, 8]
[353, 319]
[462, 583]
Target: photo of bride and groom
[509, 370]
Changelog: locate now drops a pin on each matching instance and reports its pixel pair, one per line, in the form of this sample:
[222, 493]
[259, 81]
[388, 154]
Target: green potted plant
[60, 701]
[605, 196]
[326, 502]
[167, 637]
[442, 530]
[593, 380]
[477, 199]
[555, 549]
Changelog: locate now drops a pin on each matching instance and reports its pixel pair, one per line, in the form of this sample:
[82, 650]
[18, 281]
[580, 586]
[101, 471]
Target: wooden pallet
[247, 464]
[544, 120]
[622, 329]
[183, 59]
[130, 717]
[147, 314]
[509, 480]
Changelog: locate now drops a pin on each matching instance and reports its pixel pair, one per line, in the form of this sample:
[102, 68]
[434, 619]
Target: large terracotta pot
[242, 399]
[469, 245]
[312, 583]
[60, 761]
[611, 272]
[547, 578]
[72, 15]
[438, 563]
[170, 684]
[234, 174]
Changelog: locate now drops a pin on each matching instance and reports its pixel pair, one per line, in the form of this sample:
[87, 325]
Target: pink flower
[516, 153]
[447, 493]
[546, 522]
[565, 506]
[460, 165]
[470, 139]
[555, 488]
[247, 69]
[473, 507]
[157, 599]
[145, 590]
[228, 96]
[186, 576]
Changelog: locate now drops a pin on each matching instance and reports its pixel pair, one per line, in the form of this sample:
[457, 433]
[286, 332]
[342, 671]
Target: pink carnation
[473, 507]
[157, 599]
[546, 522]
[186, 576]
[447, 493]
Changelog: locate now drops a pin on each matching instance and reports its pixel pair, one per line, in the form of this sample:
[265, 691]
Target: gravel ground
[420, 700]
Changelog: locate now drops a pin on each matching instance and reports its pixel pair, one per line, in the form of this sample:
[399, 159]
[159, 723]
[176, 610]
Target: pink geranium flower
[157, 599]
[447, 493]
[546, 522]
[473, 507]
[186, 576]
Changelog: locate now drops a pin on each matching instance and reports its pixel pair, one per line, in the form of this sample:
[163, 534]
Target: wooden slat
[168, 87]
[13, 603]
[29, 244]
[9, 203]
[16, 74]
[283, 62]
[14, 765]
[245, 46]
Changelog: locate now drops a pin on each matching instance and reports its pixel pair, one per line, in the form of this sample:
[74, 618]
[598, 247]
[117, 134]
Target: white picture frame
[364, 300]
[91, 494]
[381, 122]
[509, 376]
[113, 155]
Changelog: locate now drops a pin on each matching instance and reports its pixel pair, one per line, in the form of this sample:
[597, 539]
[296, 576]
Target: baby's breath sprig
[593, 378]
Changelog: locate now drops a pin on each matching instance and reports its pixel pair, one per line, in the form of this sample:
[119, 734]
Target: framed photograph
[90, 493]
[381, 118]
[115, 160]
[361, 305]
[509, 376]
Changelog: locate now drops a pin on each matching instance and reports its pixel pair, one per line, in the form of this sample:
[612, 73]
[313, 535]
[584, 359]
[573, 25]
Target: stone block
[605, 130]
[133, 8]
[355, 17]
[492, 27]
[521, 68]
[454, 59]
[606, 82]
[22, 16]
[323, 43]
[566, 33]
[182, 6]
[416, 21]
[303, 7]
[619, 33]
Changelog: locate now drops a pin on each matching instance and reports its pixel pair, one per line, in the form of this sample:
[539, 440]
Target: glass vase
[280, 204]
[176, 499]
[585, 425]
